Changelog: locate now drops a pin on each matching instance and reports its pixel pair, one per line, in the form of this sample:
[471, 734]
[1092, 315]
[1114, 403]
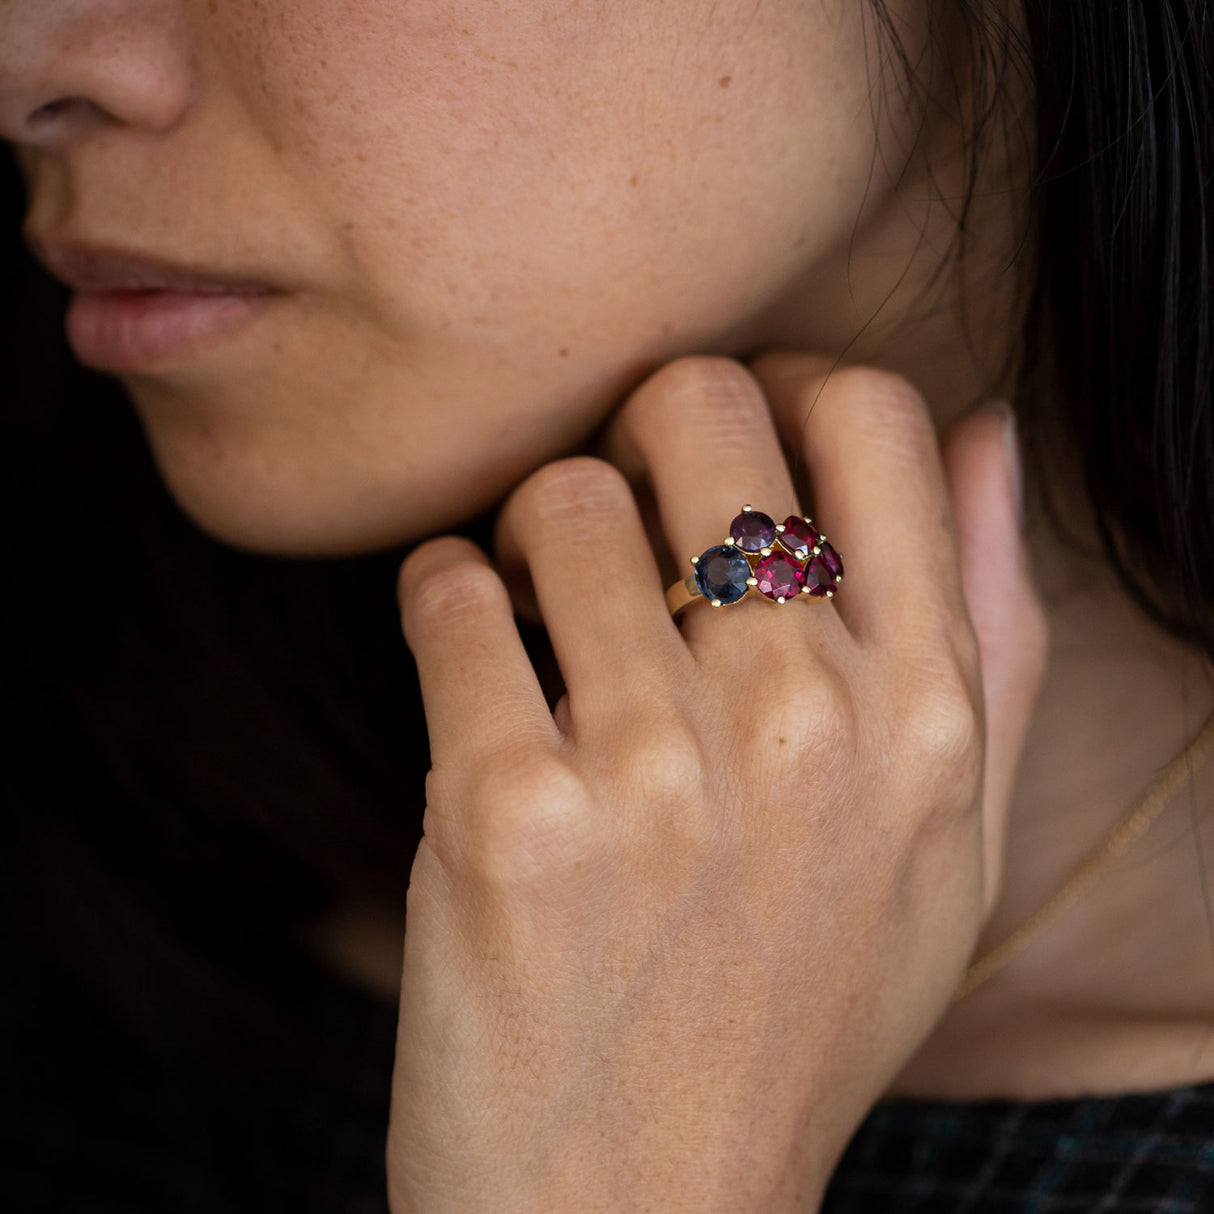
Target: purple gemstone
[753, 530]
[779, 577]
[834, 562]
[798, 537]
[721, 573]
[818, 577]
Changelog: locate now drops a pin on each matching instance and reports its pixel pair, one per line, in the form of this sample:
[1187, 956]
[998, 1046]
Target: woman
[528, 302]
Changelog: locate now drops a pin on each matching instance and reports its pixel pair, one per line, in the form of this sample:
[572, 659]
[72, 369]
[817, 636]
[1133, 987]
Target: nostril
[61, 120]
[53, 109]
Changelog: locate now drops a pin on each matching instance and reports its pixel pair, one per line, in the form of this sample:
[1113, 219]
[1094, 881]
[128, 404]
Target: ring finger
[700, 434]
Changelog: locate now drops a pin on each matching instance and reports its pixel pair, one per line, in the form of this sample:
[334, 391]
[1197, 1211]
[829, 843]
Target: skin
[493, 224]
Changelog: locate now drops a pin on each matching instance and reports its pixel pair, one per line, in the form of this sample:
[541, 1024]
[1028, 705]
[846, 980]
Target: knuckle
[722, 393]
[806, 714]
[573, 490]
[666, 756]
[447, 592]
[668, 775]
[942, 712]
[887, 408]
[430, 554]
[527, 821]
[947, 728]
[882, 388]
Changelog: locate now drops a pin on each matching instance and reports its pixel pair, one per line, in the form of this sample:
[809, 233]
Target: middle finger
[699, 433]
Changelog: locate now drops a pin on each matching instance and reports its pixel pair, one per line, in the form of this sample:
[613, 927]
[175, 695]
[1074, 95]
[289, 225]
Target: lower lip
[135, 330]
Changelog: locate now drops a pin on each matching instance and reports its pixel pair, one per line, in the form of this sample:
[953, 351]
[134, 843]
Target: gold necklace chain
[1188, 761]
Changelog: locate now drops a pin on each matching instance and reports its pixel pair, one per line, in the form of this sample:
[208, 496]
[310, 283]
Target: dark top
[94, 1121]
[1146, 1153]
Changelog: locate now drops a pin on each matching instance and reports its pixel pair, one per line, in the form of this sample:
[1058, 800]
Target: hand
[667, 945]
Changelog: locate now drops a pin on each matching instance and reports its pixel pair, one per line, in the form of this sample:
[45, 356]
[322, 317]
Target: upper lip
[94, 267]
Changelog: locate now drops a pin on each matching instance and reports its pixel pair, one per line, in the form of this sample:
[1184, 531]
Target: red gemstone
[779, 577]
[818, 576]
[834, 562]
[798, 536]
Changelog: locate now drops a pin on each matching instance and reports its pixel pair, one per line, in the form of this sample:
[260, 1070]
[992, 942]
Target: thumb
[980, 454]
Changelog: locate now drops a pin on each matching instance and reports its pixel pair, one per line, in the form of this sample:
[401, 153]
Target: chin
[301, 534]
[267, 502]
[273, 457]
[290, 524]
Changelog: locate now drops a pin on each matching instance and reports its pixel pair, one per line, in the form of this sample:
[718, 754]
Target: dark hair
[1119, 325]
[212, 745]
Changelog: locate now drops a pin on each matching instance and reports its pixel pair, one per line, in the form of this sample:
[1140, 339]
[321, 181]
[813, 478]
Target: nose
[69, 66]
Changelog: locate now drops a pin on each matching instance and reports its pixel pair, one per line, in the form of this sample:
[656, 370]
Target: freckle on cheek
[725, 81]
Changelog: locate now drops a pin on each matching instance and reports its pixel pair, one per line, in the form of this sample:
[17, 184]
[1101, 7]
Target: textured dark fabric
[92, 1123]
[1139, 1153]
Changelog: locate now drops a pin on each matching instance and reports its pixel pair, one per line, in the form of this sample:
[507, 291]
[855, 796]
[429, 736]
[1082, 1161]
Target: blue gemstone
[721, 573]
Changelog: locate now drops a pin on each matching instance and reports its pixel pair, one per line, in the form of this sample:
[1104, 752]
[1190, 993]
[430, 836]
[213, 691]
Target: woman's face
[489, 221]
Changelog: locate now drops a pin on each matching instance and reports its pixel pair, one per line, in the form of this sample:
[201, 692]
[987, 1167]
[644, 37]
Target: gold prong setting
[783, 562]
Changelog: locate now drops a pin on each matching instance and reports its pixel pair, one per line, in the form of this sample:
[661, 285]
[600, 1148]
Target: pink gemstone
[818, 576]
[798, 536]
[834, 562]
[779, 577]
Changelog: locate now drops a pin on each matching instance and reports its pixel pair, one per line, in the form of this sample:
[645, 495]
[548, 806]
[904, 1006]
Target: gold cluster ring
[780, 561]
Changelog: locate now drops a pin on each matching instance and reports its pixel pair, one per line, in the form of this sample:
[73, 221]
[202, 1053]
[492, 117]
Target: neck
[1116, 994]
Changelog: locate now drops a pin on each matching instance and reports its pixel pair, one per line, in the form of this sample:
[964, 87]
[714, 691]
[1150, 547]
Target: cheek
[491, 165]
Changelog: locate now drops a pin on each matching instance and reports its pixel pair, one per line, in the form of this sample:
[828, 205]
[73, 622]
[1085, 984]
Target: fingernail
[1011, 452]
